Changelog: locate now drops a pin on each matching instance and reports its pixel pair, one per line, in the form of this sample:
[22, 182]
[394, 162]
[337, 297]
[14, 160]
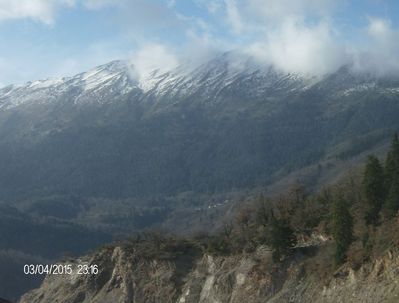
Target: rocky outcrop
[251, 278]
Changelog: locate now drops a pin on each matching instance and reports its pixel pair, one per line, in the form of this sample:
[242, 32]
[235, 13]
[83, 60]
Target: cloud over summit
[301, 36]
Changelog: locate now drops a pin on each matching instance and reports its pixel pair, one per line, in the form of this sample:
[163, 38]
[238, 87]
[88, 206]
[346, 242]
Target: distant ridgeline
[216, 129]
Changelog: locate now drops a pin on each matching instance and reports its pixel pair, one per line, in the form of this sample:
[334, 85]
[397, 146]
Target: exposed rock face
[234, 279]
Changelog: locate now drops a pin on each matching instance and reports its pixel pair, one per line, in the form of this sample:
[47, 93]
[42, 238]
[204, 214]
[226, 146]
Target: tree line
[351, 213]
[278, 223]
[381, 199]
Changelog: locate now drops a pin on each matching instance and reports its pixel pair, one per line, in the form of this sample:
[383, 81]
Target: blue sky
[53, 38]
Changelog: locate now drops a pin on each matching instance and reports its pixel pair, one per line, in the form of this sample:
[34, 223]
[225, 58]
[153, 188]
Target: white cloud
[293, 35]
[200, 48]
[46, 10]
[379, 27]
[295, 47]
[381, 54]
[281, 34]
[39, 10]
[234, 17]
[153, 56]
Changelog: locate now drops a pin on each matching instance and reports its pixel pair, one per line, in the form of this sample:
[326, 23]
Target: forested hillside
[336, 245]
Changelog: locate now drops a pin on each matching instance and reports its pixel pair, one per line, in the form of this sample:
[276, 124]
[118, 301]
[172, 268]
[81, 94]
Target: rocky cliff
[125, 278]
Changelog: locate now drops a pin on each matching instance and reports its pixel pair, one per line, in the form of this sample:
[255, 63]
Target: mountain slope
[227, 124]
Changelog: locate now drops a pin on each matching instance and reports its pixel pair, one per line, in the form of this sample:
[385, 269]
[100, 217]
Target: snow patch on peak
[103, 75]
[97, 78]
[101, 84]
[39, 84]
[151, 80]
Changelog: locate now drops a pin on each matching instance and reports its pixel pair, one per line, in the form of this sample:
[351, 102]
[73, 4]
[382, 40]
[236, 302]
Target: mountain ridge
[219, 73]
[197, 126]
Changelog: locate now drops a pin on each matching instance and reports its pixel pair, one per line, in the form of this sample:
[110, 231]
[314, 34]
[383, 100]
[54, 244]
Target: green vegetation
[374, 188]
[392, 178]
[282, 237]
[356, 213]
[392, 202]
[342, 228]
[392, 162]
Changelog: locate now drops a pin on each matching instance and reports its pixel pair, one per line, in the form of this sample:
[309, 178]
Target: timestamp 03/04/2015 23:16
[61, 269]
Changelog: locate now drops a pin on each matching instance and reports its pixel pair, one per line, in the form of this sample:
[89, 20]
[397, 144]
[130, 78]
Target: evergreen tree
[392, 162]
[342, 228]
[374, 188]
[392, 178]
[263, 211]
[282, 237]
[392, 202]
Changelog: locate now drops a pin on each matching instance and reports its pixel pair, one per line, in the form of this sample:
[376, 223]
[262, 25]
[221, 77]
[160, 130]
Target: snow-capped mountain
[96, 84]
[228, 123]
[221, 76]
[226, 76]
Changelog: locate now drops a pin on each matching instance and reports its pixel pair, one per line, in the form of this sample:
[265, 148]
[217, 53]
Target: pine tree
[392, 202]
[282, 237]
[342, 228]
[392, 178]
[374, 188]
[392, 162]
[263, 211]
